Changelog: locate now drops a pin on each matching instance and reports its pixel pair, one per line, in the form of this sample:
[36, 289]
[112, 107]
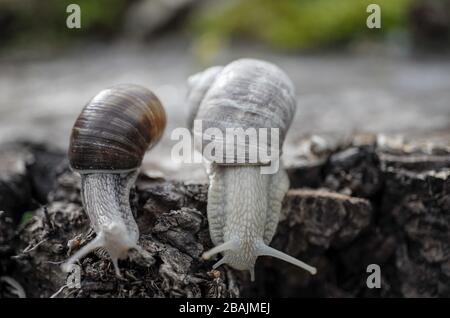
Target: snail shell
[198, 85]
[246, 93]
[115, 129]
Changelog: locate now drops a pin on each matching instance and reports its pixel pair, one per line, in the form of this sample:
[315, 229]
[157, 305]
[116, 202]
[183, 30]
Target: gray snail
[243, 204]
[107, 145]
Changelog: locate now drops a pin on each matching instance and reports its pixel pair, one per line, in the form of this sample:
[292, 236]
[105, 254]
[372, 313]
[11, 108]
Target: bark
[370, 200]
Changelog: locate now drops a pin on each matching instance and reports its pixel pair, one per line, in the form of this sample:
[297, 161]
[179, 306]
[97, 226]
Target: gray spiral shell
[246, 93]
[115, 129]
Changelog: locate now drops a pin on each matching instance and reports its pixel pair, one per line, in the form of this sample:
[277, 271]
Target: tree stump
[371, 200]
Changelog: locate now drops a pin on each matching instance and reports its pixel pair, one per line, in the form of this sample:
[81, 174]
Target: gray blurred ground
[338, 94]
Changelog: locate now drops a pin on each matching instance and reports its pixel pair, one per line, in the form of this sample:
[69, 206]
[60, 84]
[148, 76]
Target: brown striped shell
[246, 93]
[115, 129]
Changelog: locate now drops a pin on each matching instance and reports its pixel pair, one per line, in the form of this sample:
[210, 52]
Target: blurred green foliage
[295, 24]
[26, 217]
[288, 25]
[34, 21]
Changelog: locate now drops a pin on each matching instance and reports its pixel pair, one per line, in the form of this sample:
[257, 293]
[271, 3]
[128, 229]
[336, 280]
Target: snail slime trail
[107, 145]
[243, 204]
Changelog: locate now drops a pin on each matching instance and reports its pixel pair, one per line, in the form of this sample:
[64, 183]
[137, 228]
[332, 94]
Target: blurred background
[349, 78]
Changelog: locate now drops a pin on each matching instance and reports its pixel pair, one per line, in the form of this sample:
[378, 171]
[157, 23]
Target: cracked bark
[364, 201]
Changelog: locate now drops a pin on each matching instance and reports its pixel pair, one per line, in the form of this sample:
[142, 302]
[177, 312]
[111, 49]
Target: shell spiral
[246, 93]
[115, 129]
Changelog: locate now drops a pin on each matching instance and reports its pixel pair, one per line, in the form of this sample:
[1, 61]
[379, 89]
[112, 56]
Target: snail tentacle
[227, 246]
[265, 250]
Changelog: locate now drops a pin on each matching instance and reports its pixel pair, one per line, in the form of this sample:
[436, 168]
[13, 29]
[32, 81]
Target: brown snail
[107, 145]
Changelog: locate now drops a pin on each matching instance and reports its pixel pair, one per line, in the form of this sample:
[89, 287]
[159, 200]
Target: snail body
[244, 204]
[107, 145]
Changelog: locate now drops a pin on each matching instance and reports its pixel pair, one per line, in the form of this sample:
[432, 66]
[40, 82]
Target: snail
[107, 145]
[244, 204]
